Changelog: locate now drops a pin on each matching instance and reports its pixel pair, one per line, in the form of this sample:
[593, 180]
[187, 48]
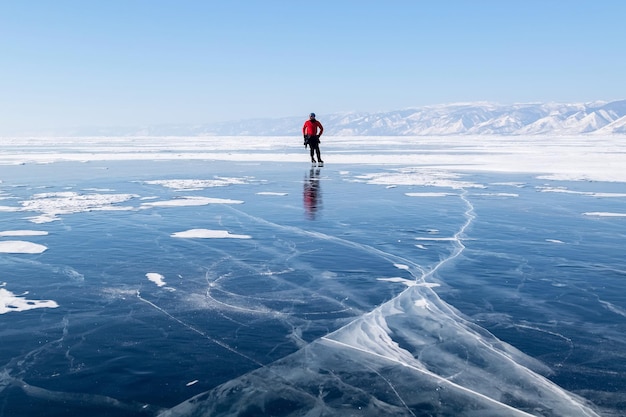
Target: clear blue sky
[135, 62]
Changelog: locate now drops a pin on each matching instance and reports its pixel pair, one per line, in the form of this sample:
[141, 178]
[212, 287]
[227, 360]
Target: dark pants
[314, 147]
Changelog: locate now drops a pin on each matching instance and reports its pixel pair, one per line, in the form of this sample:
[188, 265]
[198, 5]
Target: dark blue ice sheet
[348, 298]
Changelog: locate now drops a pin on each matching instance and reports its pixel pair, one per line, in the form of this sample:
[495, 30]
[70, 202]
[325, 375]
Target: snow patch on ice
[428, 194]
[198, 184]
[23, 233]
[587, 193]
[604, 214]
[20, 246]
[271, 193]
[190, 201]
[511, 184]
[53, 204]
[208, 234]
[9, 302]
[496, 194]
[158, 279]
[418, 176]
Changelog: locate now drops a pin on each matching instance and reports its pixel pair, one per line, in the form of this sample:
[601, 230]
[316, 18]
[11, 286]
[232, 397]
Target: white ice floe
[20, 246]
[43, 218]
[271, 193]
[158, 279]
[99, 190]
[510, 184]
[9, 302]
[428, 194]
[496, 194]
[190, 201]
[200, 184]
[554, 241]
[588, 193]
[9, 209]
[418, 176]
[23, 233]
[604, 214]
[209, 234]
[51, 205]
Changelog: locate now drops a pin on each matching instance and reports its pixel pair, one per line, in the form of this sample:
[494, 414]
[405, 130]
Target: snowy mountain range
[602, 118]
[596, 118]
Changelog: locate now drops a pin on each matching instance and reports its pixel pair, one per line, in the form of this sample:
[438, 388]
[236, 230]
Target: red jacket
[310, 128]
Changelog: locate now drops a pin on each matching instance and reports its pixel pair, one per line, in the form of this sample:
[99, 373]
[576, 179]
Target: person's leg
[317, 151]
[312, 150]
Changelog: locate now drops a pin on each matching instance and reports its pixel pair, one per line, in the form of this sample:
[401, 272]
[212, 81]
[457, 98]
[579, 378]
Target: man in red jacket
[312, 137]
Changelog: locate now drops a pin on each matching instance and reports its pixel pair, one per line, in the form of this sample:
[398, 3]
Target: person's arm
[306, 142]
[321, 128]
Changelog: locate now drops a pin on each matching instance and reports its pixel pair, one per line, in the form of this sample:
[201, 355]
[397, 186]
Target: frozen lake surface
[179, 285]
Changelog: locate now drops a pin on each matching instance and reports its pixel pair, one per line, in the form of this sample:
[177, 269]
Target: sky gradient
[144, 62]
